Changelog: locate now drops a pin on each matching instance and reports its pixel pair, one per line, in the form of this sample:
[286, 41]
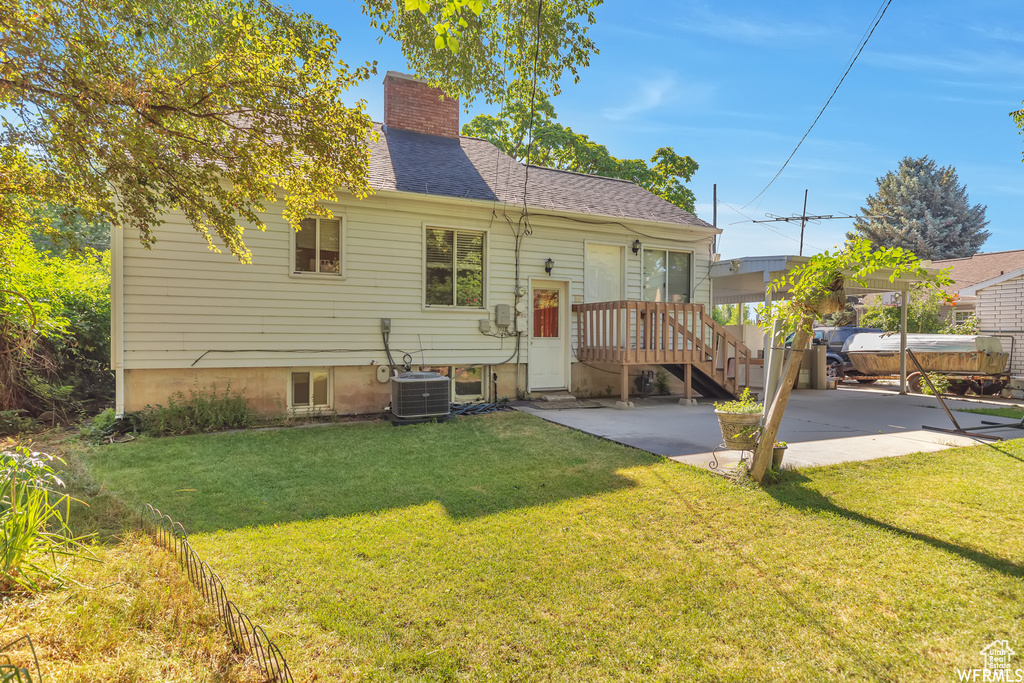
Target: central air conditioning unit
[420, 397]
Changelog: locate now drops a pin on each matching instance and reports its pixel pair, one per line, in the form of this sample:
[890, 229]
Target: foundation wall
[356, 390]
[602, 379]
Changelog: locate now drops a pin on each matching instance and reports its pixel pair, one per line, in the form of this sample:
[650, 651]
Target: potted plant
[778, 452]
[740, 421]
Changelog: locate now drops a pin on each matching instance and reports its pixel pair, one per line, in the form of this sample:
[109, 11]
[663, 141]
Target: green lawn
[1009, 411]
[507, 548]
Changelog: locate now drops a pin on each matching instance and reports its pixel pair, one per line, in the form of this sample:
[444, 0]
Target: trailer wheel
[992, 387]
[914, 383]
[958, 388]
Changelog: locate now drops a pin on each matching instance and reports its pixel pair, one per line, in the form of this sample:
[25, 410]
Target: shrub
[939, 381]
[105, 424]
[15, 422]
[204, 410]
[33, 519]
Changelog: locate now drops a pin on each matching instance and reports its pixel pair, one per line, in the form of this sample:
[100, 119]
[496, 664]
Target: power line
[864, 41]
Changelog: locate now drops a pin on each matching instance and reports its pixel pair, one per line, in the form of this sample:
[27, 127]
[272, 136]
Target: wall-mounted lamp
[734, 266]
[636, 247]
[548, 265]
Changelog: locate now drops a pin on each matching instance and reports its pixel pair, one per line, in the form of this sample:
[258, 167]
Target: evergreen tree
[923, 208]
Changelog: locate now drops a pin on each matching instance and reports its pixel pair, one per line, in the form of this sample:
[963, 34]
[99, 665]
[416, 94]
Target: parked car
[835, 339]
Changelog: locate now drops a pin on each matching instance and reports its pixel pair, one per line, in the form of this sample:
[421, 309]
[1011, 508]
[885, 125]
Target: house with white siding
[999, 305]
[512, 280]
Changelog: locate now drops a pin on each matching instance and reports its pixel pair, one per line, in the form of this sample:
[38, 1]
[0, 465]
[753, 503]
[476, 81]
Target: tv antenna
[804, 218]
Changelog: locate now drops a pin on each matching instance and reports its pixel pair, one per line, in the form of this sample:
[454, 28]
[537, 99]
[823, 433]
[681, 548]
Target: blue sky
[735, 85]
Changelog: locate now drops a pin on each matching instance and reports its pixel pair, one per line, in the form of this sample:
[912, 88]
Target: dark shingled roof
[980, 267]
[475, 169]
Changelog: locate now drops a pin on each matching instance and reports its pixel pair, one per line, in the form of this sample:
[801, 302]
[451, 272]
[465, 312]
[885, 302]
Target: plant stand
[713, 464]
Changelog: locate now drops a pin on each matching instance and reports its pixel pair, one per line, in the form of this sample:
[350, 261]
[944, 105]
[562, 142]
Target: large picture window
[667, 276]
[455, 268]
[318, 246]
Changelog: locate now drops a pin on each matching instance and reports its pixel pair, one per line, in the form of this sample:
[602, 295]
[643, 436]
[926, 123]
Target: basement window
[318, 246]
[310, 389]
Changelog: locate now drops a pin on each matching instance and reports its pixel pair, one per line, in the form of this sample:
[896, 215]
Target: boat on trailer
[969, 362]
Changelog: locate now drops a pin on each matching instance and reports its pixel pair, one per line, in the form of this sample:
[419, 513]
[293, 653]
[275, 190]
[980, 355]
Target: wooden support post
[773, 416]
[688, 378]
[624, 386]
[904, 302]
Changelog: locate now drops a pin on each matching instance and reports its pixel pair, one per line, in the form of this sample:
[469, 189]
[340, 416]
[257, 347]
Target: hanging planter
[833, 297]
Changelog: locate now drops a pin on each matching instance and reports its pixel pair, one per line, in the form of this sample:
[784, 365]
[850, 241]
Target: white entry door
[549, 335]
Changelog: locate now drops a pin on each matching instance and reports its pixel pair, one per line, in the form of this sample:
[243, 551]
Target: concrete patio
[821, 427]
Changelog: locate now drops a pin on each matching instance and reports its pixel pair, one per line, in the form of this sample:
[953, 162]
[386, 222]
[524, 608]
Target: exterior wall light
[636, 247]
[548, 265]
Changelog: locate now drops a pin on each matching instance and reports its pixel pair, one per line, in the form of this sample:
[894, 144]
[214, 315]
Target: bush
[203, 411]
[33, 519]
[105, 424]
[15, 422]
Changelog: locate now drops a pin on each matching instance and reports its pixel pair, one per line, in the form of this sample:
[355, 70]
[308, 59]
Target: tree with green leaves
[217, 108]
[526, 129]
[207, 107]
[923, 313]
[923, 207]
[817, 288]
[472, 48]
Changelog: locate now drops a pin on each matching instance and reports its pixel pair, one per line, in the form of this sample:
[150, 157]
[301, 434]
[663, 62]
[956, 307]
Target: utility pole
[803, 222]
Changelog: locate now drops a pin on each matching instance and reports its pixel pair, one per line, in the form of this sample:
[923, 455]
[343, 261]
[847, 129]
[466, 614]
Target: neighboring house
[1000, 311]
[447, 257]
[965, 273]
[968, 272]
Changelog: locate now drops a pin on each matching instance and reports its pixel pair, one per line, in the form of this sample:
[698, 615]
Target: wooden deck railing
[651, 333]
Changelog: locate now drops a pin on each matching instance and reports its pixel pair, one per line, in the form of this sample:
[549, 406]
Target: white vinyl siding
[185, 305]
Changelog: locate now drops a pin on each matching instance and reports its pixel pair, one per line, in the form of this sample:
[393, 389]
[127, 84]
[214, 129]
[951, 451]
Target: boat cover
[869, 342]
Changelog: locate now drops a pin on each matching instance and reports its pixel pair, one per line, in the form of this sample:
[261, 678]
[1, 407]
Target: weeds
[204, 410]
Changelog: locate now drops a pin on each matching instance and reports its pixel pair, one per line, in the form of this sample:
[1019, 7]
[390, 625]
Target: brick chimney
[410, 104]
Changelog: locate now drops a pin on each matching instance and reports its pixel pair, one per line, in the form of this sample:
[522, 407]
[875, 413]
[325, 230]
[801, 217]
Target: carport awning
[745, 280]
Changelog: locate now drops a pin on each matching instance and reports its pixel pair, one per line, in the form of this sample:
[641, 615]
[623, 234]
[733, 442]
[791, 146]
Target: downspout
[117, 316]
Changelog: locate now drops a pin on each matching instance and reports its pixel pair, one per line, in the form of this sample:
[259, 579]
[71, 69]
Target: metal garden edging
[246, 637]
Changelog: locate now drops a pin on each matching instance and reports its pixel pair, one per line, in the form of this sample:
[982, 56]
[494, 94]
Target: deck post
[624, 385]
[688, 378]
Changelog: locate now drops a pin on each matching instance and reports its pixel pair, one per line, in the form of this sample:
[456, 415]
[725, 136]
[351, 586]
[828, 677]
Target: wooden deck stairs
[682, 338]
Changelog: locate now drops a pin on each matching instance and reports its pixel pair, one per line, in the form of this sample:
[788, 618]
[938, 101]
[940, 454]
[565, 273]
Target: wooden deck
[649, 333]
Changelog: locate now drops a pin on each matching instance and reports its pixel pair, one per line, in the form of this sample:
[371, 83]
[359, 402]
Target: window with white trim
[310, 389]
[318, 246]
[454, 274]
[666, 276]
[960, 317]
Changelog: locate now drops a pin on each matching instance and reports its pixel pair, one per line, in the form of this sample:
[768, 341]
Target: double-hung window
[666, 276]
[454, 268]
[318, 246]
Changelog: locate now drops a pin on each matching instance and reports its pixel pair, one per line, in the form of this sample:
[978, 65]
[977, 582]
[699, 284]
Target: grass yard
[507, 548]
[1009, 411]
